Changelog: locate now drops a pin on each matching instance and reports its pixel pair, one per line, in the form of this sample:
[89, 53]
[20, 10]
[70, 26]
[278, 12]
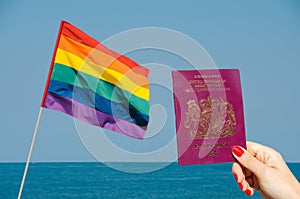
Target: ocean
[97, 180]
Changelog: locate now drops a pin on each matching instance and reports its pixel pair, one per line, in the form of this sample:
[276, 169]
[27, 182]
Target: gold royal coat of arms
[211, 118]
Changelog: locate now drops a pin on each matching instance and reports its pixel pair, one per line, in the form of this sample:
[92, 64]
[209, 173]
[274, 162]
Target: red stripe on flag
[52, 63]
[78, 35]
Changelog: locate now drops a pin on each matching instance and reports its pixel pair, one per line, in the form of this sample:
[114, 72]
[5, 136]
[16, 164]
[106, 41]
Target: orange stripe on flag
[79, 36]
[102, 59]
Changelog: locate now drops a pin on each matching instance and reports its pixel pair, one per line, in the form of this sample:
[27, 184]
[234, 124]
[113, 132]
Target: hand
[262, 168]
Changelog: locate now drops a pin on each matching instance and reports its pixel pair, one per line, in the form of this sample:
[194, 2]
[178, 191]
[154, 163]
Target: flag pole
[41, 108]
[30, 152]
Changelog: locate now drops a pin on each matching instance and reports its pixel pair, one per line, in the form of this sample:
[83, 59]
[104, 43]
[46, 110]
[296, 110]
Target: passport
[209, 115]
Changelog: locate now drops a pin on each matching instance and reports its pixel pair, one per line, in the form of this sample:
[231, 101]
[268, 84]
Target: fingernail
[248, 192]
[235, 177]
[241, 186]
[238, 151]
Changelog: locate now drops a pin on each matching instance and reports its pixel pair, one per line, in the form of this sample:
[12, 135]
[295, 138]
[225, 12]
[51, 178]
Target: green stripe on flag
[100, 87]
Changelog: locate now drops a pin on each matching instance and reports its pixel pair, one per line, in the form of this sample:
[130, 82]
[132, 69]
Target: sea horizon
[101, 180]
[290, 162]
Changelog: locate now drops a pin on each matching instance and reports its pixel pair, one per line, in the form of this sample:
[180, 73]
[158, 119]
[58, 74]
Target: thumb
[248, 160]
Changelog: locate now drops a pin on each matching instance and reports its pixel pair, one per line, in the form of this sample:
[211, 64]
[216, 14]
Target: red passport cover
[209, 115]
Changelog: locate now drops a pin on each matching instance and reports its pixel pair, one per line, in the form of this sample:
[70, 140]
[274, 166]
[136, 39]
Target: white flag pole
[30, 152]
[41, 108]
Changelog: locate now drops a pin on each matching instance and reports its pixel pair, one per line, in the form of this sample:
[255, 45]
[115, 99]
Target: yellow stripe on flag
[104, 73]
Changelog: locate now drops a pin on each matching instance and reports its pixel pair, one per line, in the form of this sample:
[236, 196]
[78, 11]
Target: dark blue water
[95, 180]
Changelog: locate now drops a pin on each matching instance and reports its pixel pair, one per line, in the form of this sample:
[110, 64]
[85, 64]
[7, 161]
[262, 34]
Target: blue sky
[261, 38]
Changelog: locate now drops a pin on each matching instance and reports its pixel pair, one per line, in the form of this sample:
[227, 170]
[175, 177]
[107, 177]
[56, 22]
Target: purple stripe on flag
[92, 116]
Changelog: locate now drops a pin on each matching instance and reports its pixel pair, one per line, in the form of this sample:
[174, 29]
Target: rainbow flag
[97, 85]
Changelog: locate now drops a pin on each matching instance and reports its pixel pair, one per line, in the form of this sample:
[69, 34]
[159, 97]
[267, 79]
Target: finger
[266, 155]
[246, 187]
[240, 178]
[249, 192]
[237, 172]
[253, 147]
[248, 160]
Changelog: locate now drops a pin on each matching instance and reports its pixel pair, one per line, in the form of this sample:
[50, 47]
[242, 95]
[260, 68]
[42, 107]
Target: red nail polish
[236, 177]
[248, 192]
[238, 151]
[241, 186]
